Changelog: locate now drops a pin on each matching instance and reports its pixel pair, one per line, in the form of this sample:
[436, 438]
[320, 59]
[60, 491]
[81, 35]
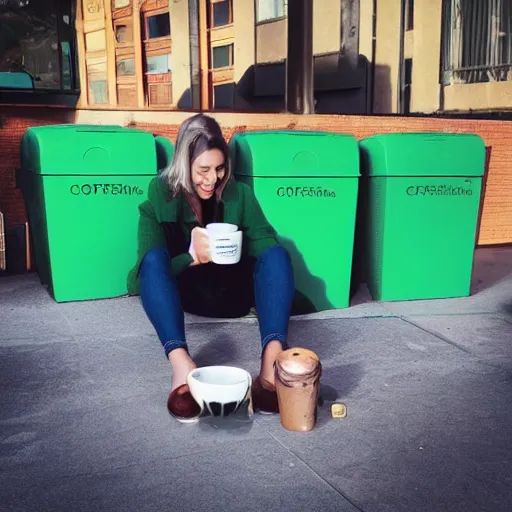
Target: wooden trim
[127, 80]
[226, 32]
[80, 48]
[155, 12]
[111, 54]
[204, 55]
[224, 42]
[95, 54]
[156, 53]
[222, 75]
[94, 25]
[139, 68]
[163, 43]
[125, 52]
[124, 12]
[152, 5]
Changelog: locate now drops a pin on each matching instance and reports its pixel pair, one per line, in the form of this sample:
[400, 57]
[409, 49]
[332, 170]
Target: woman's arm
[151, 233]
[258, 231]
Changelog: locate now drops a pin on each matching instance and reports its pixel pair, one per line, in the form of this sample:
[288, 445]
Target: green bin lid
[423, 154]
[74, 150]
[294, 154]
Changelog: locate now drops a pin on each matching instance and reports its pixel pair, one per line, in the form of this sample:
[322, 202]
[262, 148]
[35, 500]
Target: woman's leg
[274, 290]
[162, 304]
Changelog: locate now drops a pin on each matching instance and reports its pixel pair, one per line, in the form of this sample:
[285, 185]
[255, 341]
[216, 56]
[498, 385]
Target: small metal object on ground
[338, 410]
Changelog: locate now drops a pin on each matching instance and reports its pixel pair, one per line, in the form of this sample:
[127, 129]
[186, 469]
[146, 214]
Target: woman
[174, 272]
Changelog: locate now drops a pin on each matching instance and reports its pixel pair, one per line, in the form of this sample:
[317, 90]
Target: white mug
[225, 243]
[222, 390]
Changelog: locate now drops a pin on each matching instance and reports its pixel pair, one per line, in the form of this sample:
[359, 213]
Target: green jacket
[240, 207]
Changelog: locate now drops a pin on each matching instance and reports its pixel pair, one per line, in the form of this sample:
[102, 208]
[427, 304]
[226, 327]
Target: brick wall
[496, 222]
[13, 123]
[496, 216]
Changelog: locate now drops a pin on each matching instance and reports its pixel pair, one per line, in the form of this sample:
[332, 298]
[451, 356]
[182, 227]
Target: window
[222, 13]
[37, 45]
[270, 9]
[477, 41]
[124, 34]
[409, 15]
[119, 4]
[126, 67]
[222, 56]
[407, 86]
[157, 64]
[223, 96]
[158, 25]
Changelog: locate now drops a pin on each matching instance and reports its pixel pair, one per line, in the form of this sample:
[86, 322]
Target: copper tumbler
[297, 378]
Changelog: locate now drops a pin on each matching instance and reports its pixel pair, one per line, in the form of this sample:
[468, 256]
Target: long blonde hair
[177, 176]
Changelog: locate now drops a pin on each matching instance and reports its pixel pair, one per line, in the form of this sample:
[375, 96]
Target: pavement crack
[293, 454]
[437, 335]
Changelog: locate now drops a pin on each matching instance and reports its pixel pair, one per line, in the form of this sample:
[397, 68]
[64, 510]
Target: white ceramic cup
[221, 390]
[225, 243]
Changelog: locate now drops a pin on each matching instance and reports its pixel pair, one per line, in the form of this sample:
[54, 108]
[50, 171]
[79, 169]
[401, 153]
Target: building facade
[201, 54]
[370, 56]
[440, 55]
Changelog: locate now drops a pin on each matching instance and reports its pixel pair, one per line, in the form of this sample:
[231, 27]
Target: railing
[477, 41]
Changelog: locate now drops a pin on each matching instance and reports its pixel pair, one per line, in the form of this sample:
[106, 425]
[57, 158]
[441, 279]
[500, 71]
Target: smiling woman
[37, 50]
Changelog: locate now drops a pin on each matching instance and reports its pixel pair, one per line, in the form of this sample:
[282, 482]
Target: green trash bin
[423, 196]
[307, 185]
[82, 186]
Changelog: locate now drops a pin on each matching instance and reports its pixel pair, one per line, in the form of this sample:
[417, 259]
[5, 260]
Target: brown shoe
[182, 406]
[264, 400]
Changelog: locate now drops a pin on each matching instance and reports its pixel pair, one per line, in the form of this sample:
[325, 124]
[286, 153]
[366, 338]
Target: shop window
[158, 25]
[37, 39]
[222, 56]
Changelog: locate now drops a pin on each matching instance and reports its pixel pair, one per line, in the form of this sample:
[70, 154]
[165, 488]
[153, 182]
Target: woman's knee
[155, 260]
[276, 254]
[275, 263]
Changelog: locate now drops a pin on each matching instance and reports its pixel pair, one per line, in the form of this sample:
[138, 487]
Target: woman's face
[207, 169]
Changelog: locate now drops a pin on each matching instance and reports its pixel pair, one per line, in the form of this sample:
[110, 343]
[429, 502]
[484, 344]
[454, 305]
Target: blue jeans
[273, 295]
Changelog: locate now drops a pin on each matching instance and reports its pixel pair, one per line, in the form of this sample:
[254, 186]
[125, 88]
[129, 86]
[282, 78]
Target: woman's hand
[199, 246]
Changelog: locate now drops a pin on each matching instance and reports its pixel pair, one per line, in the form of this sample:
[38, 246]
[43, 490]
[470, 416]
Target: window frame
[52, 97]
[273, 19]
[455, 49]
[149, 14]
[231, 56]
[211, 5]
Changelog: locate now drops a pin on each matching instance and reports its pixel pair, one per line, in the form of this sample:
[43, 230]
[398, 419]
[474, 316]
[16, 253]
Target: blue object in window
[16, 80]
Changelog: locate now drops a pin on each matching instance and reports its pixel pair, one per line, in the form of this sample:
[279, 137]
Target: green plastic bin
[82, 186]
[307, 185]
[423, 196]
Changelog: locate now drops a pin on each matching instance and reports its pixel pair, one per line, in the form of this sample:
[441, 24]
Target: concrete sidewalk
[427, 384]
